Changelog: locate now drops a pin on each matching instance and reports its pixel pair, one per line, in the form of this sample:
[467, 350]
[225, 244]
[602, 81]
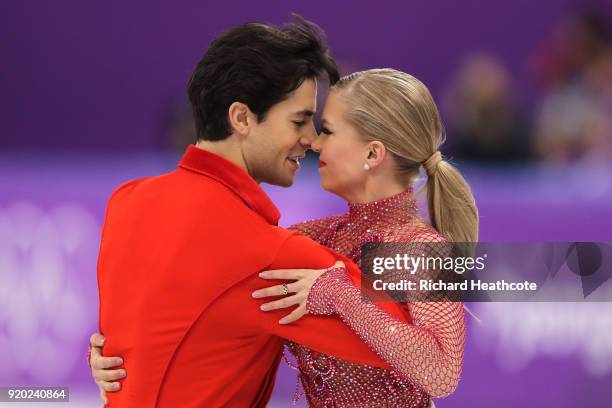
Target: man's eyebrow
[304, 112]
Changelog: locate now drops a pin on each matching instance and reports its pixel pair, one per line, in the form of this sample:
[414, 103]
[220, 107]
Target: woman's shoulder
[316, 228]
[415, 231]
[417, 237]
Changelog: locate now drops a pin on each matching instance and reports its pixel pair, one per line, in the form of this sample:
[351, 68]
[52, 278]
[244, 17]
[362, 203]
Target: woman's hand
[300, 288]
[102, 367]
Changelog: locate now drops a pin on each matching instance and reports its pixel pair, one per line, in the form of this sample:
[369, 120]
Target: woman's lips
[322, 163]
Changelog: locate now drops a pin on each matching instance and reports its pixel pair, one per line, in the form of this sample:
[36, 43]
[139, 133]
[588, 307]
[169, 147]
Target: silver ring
[285, 289]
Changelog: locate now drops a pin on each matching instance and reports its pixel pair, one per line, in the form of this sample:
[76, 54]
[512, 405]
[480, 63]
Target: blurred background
[93, 94]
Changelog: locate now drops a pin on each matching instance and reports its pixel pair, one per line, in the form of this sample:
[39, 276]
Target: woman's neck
[390, 210]
[375, 190]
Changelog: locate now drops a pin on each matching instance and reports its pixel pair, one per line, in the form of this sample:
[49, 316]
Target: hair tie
[431, 164]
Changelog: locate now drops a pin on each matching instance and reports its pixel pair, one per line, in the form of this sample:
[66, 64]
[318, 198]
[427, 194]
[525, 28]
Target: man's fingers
[277, 290]
[109, 386]
[281, 303]
[102, 363]
[295, 315]
[109, 375]
[97, 340]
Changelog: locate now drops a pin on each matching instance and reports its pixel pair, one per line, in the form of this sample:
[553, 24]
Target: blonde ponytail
[451, 205]
[398, 110]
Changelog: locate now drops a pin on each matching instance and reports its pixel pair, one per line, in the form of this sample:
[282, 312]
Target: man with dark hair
[254, 67]
[259, 72]
[181, 252]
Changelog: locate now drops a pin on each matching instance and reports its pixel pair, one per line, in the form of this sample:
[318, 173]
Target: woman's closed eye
[299, 123]
[326, 131]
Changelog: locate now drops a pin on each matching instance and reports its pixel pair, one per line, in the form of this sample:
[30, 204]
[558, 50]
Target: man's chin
[285, 183]
[281, 181]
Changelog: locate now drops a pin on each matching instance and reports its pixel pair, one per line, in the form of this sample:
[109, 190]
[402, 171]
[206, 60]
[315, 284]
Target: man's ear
[239, 116]
[376, 153]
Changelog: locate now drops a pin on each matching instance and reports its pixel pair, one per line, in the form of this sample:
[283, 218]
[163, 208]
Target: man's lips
[322, 163]
[295, 161]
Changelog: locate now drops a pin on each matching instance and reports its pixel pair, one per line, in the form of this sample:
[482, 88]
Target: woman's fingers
[294, 273]
[299, 288]
[278, 290]
[295, 315]
[109, 386]
[98, 362]
[283, 273]
[103, 396]
[97, 340]
[282, 303]
[99, 367]
[109, 375]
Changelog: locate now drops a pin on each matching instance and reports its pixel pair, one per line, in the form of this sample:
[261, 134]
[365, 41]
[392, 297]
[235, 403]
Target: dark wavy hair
[258, 65]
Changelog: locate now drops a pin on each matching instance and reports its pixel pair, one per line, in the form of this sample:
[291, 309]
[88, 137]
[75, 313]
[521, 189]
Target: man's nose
[309, 136]
[316, 144]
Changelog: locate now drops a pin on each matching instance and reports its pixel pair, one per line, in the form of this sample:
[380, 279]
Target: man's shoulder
[177, 185]
[127, 186]
[208, 205]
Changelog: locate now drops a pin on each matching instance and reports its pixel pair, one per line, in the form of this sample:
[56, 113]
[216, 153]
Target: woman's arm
[428, 351]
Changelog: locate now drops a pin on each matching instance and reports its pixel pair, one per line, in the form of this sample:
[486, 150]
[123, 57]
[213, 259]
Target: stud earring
[366, 166]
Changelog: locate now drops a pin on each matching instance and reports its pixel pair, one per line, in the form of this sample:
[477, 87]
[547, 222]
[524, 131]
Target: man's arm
[321, 333]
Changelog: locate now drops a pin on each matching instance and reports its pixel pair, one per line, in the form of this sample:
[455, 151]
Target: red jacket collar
[236, 179]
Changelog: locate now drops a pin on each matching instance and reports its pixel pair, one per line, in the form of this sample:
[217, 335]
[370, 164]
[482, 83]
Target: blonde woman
[379, 127]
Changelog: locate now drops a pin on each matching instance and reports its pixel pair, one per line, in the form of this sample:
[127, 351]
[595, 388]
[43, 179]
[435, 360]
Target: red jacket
[178, 261]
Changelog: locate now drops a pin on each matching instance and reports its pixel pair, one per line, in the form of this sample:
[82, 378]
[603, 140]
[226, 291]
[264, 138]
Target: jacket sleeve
[325, 334]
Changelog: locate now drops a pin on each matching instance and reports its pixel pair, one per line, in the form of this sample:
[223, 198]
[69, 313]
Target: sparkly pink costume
[426, 353]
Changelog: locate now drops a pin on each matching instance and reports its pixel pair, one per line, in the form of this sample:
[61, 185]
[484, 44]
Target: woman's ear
[238, 115]
[376, 153]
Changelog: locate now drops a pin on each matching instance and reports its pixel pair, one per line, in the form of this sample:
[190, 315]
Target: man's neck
[228, 148]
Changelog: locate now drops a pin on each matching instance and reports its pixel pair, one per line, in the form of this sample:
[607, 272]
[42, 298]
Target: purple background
[87, 92]
[108, 75]
[522, 354]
